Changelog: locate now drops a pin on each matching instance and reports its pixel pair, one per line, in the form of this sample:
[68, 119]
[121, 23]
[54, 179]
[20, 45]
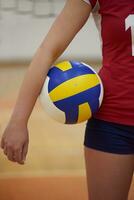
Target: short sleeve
[91, 2]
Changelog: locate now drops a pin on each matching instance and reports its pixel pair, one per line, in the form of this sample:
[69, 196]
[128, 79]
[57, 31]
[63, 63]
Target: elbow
[52, 53]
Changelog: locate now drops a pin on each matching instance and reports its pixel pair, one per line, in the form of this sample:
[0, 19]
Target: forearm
[63, 30]
[32, 85]
[15, 138]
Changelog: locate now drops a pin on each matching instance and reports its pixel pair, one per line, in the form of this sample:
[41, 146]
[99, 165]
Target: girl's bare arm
[71, 19]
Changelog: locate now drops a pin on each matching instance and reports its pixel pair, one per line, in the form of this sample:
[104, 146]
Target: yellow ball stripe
[74, 86]
[84, 112]
[64, 66]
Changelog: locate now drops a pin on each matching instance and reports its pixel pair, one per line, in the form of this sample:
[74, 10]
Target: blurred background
[24, 23]
[54, 169]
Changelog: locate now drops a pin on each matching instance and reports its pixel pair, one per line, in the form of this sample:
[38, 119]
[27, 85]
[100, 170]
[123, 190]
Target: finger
[18, 155]
[25, 150]
[2, 143]
[10, 155]
[5, 150]
[8, 150]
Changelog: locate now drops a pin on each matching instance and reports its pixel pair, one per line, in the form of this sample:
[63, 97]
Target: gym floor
[54, 169]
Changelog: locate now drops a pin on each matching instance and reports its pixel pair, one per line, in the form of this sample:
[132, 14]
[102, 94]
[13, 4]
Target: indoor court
[54, 168]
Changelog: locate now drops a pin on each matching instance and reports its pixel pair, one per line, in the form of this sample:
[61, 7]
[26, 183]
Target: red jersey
[115, 21]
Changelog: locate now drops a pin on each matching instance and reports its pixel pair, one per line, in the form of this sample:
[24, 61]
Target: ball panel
[64, 66]
[71, 115]
[84, 112]
[73, 87]
[101, 85]
[48, 105]
[101, 92]
[81, 66]
[91, 96]
[59, 76]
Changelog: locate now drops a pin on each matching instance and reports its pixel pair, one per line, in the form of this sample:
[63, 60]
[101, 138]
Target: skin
[15, 138]
[108, 175]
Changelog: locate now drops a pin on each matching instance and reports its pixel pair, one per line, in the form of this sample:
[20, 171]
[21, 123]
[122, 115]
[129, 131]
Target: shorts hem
[109, 151]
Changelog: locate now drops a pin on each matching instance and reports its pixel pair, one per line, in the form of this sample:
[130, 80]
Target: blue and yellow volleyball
[72, 92]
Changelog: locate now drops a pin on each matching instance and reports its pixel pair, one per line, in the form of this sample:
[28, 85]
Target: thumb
[2, 143]
[24, 152]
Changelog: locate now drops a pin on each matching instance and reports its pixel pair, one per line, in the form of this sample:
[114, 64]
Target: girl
[109, 136]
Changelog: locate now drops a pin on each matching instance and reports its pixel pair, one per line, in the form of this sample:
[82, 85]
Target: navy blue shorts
[109, 137]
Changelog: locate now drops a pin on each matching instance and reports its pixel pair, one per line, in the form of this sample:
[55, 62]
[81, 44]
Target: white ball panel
[48, 105]
[101, 94]
[101, 91]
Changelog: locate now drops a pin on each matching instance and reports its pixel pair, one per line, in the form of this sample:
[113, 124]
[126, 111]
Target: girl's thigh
[109, 175]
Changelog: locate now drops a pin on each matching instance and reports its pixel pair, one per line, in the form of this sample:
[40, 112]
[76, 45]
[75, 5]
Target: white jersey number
[129, 23]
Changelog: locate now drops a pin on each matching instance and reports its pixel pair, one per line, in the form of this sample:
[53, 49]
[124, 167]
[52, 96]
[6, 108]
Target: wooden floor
[54, 148]
[48, 188]
[54, 168]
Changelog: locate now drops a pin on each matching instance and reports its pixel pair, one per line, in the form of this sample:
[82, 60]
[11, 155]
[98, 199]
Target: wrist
[18, 121]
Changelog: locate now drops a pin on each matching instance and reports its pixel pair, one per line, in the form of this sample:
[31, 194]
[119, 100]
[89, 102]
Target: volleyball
[72, 92]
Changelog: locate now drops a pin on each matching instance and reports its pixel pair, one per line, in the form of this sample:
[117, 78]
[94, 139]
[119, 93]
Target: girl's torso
[115, 22]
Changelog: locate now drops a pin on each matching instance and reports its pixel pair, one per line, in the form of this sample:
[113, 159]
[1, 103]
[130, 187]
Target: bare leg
[108, 175]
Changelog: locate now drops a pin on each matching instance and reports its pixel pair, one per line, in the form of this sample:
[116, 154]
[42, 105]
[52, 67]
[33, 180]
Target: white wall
[20, 35]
